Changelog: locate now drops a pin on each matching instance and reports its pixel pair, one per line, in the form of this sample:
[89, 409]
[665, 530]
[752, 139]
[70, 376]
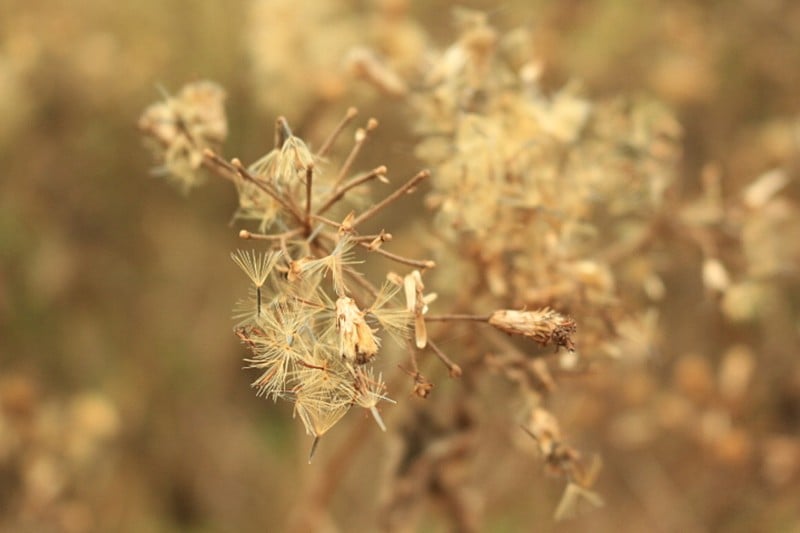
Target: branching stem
[403, 189]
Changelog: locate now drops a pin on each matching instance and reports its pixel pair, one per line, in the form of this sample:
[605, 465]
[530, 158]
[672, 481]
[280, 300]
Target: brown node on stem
[422, 387]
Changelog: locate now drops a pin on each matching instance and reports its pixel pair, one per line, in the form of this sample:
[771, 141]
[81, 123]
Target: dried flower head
[185, 125]
[545, 326]
[357, 341]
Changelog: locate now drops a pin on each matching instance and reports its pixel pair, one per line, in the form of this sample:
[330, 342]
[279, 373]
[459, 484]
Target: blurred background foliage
[123, 406]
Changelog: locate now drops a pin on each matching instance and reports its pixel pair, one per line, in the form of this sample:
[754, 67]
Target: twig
[419, 263]
[348, 117]
[327, 221]
[391, 198]
[453, 368]
[383, 236]
[338, 193]
[244, 234]
[282, 132]
[443, 318]
[361, 138]
[309, 181]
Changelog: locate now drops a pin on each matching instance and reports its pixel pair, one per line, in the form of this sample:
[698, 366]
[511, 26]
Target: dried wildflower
[357, 341]
[295, 158]
[320, 403]
[183, 126]
[545, 326]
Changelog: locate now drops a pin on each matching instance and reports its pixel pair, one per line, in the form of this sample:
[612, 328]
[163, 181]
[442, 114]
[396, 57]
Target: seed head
[545, 326]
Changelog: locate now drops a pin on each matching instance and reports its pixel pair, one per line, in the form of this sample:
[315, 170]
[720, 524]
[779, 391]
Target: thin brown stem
[403, 189]
[454, 317]
[383, 236]
[284, 248]
[282, 132]
[338, 193]
[327, 221]
[218, 166]
[309, 182]
[361, 137]
[453, 368]
[418, 263]
[244, 234]
[412, 357]
[348, 117]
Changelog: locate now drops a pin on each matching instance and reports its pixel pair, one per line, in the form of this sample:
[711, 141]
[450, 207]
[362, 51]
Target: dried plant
[551, 214]
[314, 324]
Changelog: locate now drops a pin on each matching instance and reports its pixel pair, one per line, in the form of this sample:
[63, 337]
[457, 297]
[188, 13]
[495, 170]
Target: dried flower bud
[422, 387]
[346, 227]
[357, 341]
[545, 326]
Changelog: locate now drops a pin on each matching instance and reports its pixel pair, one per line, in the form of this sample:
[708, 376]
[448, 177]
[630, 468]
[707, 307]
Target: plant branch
[444, 318]
[309, 182]
[348, 117]
[403, 189]
[245, 234]
[338, 193]
[418, 263]
[453, 368]
[361, 138]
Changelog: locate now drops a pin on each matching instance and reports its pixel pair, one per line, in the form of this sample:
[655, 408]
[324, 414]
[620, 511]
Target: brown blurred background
[123, 406]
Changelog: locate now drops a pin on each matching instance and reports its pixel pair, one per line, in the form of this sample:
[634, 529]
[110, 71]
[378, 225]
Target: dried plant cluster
[521, 181]
[538, 191]
[551, 211]
[313, 323]
[685, 300]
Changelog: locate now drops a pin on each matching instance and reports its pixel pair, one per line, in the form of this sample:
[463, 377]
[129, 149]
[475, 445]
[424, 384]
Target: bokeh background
[123, 404]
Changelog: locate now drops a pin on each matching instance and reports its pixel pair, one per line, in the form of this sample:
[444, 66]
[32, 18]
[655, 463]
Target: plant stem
[372, 211]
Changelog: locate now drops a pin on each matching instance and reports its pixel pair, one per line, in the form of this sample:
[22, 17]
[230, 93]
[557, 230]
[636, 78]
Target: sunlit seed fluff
[255, 265]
